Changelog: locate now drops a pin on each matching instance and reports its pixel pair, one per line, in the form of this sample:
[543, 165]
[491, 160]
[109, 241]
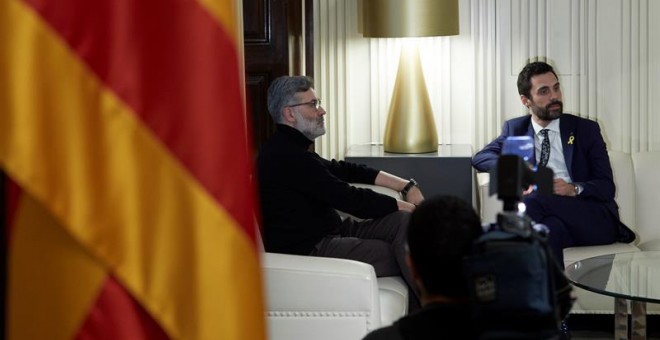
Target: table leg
[638, 322]
[620, 319]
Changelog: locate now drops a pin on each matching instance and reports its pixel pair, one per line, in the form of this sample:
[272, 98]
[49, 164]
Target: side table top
[377, 150]
[632, 276]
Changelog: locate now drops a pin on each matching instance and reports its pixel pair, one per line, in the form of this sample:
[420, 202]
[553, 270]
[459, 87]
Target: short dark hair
[282, 91]
[530, 70]
[440, 234]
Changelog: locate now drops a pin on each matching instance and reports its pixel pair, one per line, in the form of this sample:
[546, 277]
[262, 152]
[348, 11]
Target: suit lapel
[530, 133]
[568, 140]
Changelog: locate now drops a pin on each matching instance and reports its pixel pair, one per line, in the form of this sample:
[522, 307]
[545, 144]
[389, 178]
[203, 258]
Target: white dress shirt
[556, 161]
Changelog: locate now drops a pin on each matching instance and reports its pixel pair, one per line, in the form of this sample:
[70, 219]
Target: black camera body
[509, 180]
[513, 175]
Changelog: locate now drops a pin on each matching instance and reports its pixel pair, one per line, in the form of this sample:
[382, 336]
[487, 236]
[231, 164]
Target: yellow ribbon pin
[571, 139]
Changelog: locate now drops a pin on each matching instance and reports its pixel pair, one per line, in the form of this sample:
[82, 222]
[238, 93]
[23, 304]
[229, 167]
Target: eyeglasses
[316, 104]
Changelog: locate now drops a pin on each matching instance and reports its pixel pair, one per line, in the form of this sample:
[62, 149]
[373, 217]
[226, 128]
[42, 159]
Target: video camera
[517, 289]
[512, 176]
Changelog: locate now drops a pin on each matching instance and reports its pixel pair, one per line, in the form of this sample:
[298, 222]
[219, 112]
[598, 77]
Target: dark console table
[447, 171]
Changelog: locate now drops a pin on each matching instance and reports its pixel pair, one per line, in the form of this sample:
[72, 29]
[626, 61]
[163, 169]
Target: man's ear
[288, 115]
[525, 101]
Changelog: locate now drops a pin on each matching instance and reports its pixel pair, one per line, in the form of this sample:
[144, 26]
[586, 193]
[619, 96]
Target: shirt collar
[553, 126]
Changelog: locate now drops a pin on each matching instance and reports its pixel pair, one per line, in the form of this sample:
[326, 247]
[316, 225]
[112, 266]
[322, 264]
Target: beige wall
[606, 51]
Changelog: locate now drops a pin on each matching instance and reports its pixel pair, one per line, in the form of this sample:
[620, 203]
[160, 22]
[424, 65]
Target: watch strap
[411, 183]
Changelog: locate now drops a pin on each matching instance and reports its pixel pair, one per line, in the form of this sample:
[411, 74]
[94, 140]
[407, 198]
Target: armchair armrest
[489, 205]
[379, 189]
[317, 284]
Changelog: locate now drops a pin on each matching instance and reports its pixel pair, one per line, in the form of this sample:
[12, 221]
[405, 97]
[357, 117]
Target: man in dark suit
[582, 210]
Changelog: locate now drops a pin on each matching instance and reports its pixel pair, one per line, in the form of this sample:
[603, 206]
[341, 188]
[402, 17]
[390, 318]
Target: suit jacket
[585, 154]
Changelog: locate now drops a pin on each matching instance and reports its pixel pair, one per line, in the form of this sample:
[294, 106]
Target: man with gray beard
[582, 210]
[301, 192]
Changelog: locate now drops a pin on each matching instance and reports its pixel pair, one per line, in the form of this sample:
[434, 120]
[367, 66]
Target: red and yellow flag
[123, 124]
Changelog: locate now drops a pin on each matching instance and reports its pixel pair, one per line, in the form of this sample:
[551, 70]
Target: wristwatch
[411, 183]
[578, 189]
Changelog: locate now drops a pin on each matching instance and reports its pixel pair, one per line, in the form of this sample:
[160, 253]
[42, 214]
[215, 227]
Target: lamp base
[410, 123]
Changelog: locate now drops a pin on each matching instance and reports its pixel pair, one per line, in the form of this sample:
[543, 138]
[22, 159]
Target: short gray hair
[282, 91]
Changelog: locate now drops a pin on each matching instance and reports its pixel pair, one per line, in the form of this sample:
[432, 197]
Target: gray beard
[310, 128]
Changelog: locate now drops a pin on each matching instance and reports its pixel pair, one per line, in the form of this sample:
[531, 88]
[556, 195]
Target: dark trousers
[379, 242]
[572, 222]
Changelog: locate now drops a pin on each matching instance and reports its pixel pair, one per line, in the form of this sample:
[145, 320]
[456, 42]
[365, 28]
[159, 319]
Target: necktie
[545, 148]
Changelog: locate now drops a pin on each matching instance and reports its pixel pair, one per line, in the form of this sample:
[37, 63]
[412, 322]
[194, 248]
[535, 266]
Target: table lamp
[410, 123]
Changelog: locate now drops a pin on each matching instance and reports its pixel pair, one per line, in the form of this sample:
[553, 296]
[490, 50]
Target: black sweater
[299, 192]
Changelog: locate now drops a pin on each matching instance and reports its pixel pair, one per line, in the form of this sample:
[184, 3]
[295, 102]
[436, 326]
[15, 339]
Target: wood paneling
[277, 38]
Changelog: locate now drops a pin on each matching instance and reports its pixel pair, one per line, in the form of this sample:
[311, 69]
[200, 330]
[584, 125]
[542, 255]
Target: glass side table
[631, 278]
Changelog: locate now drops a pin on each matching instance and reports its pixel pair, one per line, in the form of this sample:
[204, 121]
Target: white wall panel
[462, 84]
[559, 30]
[611, 81]
[485, 54]
[331, 43]
[653, 60]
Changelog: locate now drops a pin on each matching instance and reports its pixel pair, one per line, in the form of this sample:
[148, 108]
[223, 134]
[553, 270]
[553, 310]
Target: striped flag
[123, 127]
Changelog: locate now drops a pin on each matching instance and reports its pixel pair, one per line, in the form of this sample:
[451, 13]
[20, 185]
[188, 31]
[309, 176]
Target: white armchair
[325, 298]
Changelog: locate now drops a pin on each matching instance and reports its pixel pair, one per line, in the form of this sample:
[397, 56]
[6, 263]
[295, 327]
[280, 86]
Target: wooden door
[278, 41]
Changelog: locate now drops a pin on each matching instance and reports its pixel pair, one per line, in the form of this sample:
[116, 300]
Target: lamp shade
[409, 18]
